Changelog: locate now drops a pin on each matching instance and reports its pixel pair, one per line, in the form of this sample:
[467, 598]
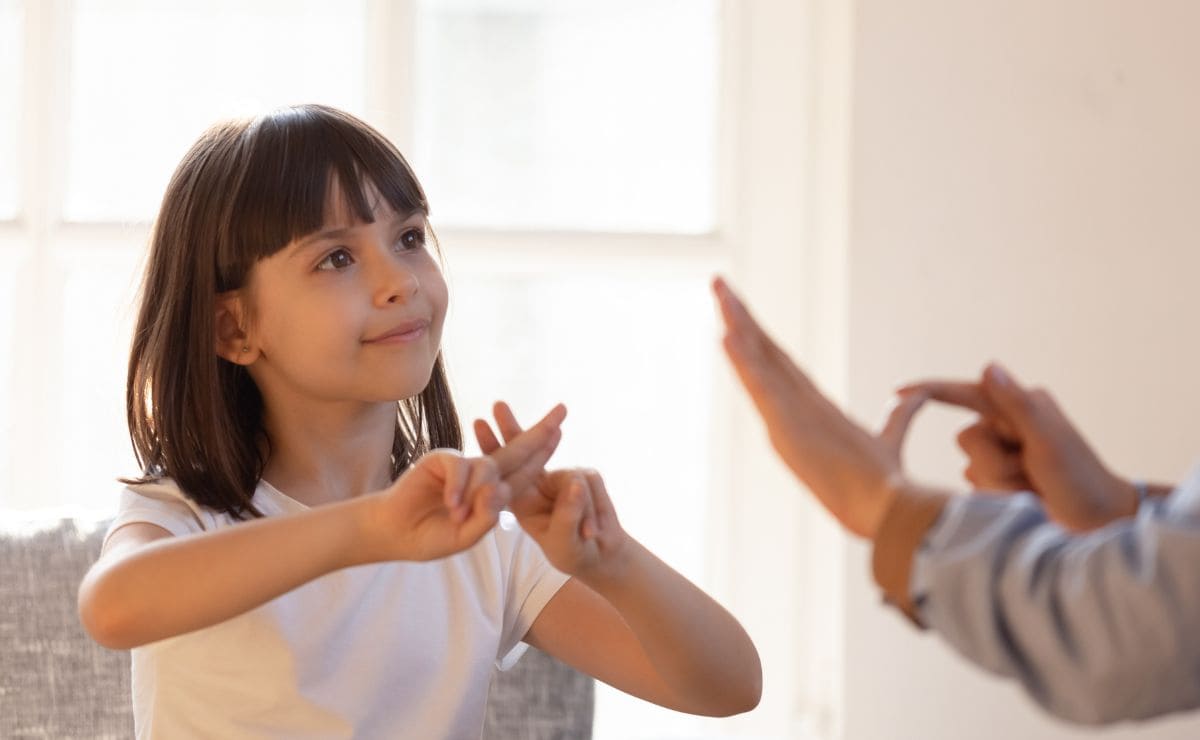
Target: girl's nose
[396, 283]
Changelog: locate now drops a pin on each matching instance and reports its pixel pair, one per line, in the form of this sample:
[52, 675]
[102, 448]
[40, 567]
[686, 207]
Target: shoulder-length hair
[244, 191]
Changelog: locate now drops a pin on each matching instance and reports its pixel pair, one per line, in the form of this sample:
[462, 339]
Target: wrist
[368, 541]
[880, 503]
[613, 567]
[913, 511]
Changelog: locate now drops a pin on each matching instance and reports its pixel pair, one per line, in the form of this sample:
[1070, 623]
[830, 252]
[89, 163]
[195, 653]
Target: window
[578, 157]
[555, 118]
[11, 50]
[146, 78]
[569, 115]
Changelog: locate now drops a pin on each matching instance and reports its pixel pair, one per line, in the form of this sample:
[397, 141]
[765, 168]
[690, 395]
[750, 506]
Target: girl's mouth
[408, 331]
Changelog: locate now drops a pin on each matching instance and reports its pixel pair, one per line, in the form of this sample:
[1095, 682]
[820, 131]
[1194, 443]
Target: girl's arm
[148, 585]
[626, 617]
[646, 630]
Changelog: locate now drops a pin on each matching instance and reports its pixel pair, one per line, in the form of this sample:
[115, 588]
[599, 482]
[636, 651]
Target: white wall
[1024, 185]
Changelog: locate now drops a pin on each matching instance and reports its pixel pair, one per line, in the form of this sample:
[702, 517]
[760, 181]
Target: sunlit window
[11, 49]
[631, 354]
[582, 135]
[568, 114]
[8, 425]
[148, 77]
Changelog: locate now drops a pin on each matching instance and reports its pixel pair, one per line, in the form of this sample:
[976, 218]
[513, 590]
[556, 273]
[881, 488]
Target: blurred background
[901, 189]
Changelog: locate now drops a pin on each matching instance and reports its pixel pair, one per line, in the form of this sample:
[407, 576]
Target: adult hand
[1022, 440]
[853, 473]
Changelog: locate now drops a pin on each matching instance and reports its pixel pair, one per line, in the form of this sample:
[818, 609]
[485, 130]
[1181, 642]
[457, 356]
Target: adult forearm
[180, 584]
[698, 648]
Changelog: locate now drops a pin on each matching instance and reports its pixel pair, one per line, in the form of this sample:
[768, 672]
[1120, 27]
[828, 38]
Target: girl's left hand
[567, 512]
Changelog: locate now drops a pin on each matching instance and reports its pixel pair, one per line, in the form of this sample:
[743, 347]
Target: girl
[304, 556]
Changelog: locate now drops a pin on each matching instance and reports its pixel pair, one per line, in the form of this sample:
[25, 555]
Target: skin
[855, 474]
[329, 398]
[651, 632]
[1021, 440]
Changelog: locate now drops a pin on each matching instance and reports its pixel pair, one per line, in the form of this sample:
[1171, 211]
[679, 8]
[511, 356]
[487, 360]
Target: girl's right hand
[446, 502]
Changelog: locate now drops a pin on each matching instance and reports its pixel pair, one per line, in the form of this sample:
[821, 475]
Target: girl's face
[353, 312]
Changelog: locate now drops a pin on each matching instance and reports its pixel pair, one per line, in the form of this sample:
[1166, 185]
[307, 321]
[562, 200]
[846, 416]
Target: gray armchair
[56, 683]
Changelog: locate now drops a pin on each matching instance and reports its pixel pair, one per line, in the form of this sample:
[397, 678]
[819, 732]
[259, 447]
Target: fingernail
[999, 376]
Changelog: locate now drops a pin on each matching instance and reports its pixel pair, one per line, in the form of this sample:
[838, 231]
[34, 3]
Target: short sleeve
[530, 582]
[161, 504]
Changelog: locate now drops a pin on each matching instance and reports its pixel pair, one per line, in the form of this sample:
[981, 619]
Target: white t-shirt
[388, 650]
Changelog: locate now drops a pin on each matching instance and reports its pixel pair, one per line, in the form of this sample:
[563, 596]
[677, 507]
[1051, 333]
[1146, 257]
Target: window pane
[148, 77]
[8, 355]
[632, 355]
[98, 315]
[11, 49]
[568, 114]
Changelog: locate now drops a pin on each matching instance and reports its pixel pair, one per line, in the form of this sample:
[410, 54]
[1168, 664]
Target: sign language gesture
[1022, 441]
[567, 512]
[853, 473]
[446, 502]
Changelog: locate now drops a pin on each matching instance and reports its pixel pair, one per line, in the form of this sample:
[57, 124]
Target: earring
[246, 349]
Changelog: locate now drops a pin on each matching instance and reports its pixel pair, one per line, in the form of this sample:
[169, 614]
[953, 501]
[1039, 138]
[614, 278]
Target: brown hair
[244, 191]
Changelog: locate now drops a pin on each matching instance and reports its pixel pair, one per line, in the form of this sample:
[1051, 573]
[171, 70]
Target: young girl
[305, 556]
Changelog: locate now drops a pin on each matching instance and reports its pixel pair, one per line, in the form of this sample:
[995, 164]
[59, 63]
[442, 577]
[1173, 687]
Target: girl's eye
[412, 239]
[338, 259]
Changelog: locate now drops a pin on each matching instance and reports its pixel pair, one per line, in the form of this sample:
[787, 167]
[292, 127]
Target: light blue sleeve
[1098, 628]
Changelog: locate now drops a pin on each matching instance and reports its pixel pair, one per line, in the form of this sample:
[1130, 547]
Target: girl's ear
[232, 340]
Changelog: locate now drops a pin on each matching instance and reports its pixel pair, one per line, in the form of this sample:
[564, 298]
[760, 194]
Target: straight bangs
[294, 157]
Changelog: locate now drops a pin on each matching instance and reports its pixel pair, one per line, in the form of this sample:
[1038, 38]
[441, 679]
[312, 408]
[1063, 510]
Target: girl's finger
[483, 473]
[569, 509]
[588, 525]
[605, 512]
[515, 452]
[486, 437]
[485, 511]
[506, 421]
[524, 477]
[456, 472]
